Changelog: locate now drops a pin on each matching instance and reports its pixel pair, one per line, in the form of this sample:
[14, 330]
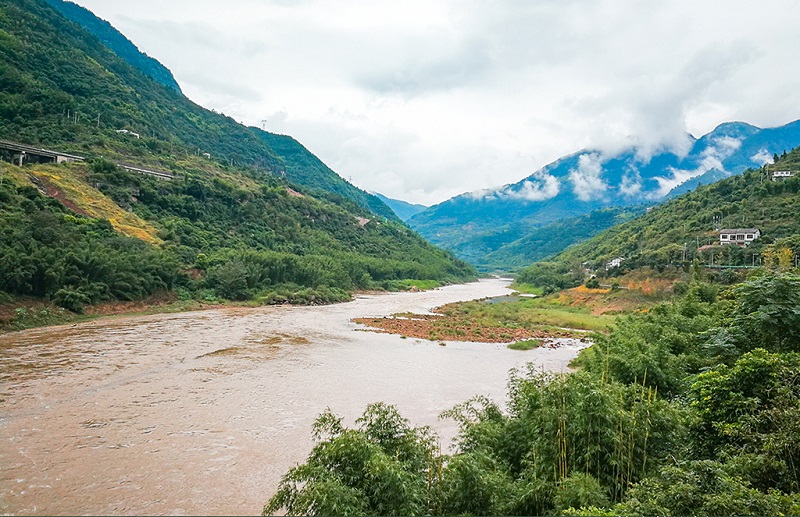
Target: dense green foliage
[671, 234]
[60, 86]
[225, 240]
[659, 420]
[381, 468]
[121, 45]
[46, 251]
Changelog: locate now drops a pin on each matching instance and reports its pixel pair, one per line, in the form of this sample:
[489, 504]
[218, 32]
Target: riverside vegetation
[689, 408]
[198, 237]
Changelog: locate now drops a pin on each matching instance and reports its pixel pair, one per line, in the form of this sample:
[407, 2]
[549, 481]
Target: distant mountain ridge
[590, 180]
[403, 209]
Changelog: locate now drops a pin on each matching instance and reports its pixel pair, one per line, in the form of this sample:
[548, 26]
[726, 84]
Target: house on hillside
[617, 262]
[126, 132]
[739, 236]
[776, 175]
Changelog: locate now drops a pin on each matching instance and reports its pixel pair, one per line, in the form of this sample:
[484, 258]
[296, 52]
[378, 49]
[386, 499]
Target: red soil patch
[444, 328]
[52, 191]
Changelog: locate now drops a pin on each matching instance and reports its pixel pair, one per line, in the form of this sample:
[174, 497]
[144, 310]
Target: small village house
[776, 175]
[617, 262]
[739, 236]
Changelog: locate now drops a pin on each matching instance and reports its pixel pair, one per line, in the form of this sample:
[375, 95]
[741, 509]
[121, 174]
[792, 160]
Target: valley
[199, 314]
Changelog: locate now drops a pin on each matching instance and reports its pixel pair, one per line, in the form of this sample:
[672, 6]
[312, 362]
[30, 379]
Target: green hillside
[251, 222]
[540, 243]
[685, 228]
[61, 86]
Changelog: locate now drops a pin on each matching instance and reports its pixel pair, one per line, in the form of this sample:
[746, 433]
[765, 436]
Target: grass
[524, 320]
[528, 344]
[528, 289]
[407, 285]
[529, 313]
[25, 313]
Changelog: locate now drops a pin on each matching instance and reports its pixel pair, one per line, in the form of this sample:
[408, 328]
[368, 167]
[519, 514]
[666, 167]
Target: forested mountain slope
[540, 243]
[61, 86]
[114, 40]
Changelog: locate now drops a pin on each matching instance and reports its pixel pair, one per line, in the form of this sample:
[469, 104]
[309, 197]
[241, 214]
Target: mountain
[755, 150]
[229, 215]
[403, 209]
[62, 86]
[686, 227]
[121, 45]
[590, 180]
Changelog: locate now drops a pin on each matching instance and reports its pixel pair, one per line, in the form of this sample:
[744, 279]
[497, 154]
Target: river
[203, 412]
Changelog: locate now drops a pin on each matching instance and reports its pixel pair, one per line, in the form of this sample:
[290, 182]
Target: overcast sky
[425, 99]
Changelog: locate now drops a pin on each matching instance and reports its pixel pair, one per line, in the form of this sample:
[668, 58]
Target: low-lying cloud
[586, 177]
[540, 186]
[762, 157]
[712, 157]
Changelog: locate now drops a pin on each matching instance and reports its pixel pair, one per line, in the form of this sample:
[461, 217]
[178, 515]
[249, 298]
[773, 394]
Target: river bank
[203, 412]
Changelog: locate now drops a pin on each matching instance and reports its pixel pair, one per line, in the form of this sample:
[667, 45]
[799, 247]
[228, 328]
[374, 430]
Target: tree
[751, 411]
[383, 467]
[765, 314]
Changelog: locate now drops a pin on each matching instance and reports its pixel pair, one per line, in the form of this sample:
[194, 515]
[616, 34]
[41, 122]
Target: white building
[617, 262]
[740, 236]
[126, 132]
[781, 174]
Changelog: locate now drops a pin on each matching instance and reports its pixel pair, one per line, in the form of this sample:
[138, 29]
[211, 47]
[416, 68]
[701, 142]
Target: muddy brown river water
[203, 412]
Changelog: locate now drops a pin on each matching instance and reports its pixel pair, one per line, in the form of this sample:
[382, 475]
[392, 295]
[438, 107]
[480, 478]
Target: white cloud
[631, 184]
[762, 157]
[540, 186]
[586, 178]
[719, 149]
[452, 96]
